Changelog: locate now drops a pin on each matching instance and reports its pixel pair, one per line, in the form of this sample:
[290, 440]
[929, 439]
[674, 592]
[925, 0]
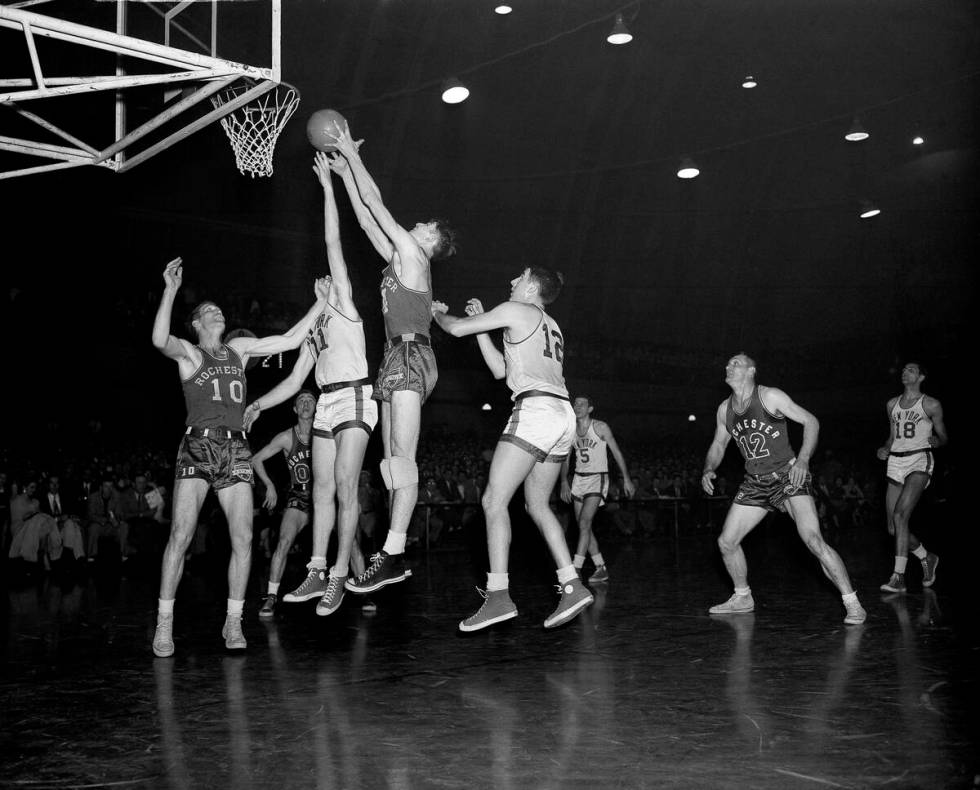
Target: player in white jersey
[915, 427]
[345, 416]
[590, 481]
[534, 443]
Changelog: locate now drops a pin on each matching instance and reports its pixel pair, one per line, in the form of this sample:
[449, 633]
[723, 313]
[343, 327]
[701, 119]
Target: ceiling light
[619, 34]
[687, 169]
[856, 133]
[454, 91]
[869, 209]
[749, 82]
[503, 9]
[918, 140]
[486, 407]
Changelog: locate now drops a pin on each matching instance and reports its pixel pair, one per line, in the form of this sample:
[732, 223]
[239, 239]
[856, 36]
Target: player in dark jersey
[295, 445]
[408, 372]
[214, 452]
[776, 478]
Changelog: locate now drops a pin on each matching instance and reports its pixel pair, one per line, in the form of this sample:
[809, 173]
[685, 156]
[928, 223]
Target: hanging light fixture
[619, 34]
[749, 82]
[918, 140]
[454, 91]
[503, 9]
[688, 169]
[856, 133]
[869, 209]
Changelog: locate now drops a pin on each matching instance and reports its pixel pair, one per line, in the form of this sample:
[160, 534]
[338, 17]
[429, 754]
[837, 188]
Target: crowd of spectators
[117, 497]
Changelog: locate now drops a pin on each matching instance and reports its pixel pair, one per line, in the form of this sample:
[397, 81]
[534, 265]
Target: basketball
[323, 127]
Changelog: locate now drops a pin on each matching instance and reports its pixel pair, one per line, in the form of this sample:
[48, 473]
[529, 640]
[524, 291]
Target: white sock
[273, 588]
[339, 573]
[498, 581]
[851, 597]
[320, 563]
[235, 607]
[165, 607]
[743, 590]
[395, 543]
[921, 552]
[900, 563]
[597, 559]
[566, 574]
[578, 561]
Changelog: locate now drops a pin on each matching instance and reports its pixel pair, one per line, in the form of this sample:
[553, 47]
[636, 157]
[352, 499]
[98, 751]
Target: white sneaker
[855, 613]
[163, 639]
[737, 604]
[232, 633]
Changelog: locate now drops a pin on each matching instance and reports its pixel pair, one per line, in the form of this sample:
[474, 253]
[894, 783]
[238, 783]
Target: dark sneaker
[896, 584]
[574, 598]
[737, 604]
[384, 569]
[929, 565]
[855, 613]
[497, 607]
[600, 575]
[268, 608]
[313, 586]
[163, 639]
[232, 633]
[333, 597]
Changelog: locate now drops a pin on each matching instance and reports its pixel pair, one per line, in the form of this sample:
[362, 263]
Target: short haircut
[919, 365]
[302, 392]
[549, 283]
[196, 314]
[587, 398]
[446, 245]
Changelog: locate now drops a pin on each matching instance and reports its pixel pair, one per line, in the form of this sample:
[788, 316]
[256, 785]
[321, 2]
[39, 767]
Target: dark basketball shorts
[299, 500]
[222, 462]
[407, 366]
[771, 491]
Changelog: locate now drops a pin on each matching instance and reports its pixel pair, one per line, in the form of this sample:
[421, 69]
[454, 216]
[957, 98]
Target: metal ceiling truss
[198, 76]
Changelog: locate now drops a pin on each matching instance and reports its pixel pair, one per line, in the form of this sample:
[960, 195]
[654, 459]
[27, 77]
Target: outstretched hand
[322, 167]
[173, 274]
[344, 142]
[474, 307]
[321, 287]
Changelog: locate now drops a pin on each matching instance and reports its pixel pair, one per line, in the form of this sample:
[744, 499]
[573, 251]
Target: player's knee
[399, 472]
[726, 544]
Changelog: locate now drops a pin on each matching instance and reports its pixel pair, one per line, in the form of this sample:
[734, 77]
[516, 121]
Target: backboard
[112, 83]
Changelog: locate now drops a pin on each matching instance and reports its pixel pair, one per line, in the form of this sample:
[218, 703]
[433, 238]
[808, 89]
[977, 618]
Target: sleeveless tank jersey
[590, 452]
[535, 363]
[298, 461]
[337, 344]
[760, 435]
[911, 427]
[215, 394]
[404, 310]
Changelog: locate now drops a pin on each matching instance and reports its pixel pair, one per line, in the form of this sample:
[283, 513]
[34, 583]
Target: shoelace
[376, 560]
[332, 586]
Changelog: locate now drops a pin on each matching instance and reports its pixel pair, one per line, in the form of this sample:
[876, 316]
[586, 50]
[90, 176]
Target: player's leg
[538, 486]
[236, 503]
[739, 522]
[188, 497]
[324, 517]
[293, 521]
[587, 541]
[401, 477]
[509, 467]
[803, 511]
[907, 498]
[351, 445]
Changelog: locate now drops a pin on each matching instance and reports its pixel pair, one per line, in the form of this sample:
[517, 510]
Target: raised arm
[778, 402]
[168, 345]
[293, 337]
[716, 451]
[605, 432]
[284, 390]
[365, 219]
[370, 195]
[341, 294]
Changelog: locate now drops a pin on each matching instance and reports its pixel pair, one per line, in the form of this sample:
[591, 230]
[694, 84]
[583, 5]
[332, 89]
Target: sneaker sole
[485, 623]
[377, 586]
[162, 653]
[229, 646]
[323, 611]
[854, 621]
[731, 611]
[889, 588]
[931, 581]
[291, 598]
[569, 613]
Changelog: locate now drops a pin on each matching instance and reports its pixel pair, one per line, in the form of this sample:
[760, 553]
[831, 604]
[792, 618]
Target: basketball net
[254, 128]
